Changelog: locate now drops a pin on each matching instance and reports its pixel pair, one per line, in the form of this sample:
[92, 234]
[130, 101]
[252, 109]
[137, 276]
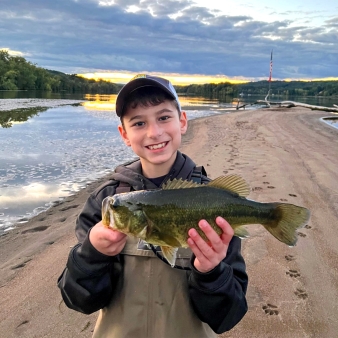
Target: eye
[164, 118]
[138, 124]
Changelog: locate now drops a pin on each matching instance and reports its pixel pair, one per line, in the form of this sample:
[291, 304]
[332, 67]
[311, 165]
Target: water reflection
[100, 102]
[52, 155]
[107, 102]
[8, 118]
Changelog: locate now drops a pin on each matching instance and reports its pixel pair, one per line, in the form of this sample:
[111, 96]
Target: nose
[154, 130]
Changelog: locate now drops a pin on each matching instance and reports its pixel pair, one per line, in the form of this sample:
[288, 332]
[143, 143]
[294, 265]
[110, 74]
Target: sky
[190, 41]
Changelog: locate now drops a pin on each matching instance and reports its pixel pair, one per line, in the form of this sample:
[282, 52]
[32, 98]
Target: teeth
[157, 146]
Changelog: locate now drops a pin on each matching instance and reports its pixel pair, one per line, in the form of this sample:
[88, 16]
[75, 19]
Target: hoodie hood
[131, 172]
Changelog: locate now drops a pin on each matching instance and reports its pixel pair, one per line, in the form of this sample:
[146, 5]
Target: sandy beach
[285, 155]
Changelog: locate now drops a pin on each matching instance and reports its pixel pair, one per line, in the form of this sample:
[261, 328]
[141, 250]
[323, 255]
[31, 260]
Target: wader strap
[196, 175]
[123, 187]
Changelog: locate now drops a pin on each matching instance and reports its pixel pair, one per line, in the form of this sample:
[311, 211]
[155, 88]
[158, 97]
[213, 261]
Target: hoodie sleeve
[88, 280]
[218, 297]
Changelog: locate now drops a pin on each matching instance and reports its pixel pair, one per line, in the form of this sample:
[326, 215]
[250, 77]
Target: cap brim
[139, 83]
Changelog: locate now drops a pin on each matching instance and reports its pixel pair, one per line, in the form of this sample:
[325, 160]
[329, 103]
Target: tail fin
[286, 219]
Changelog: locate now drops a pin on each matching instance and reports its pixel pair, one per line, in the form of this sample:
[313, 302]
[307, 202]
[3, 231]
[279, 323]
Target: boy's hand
[107, 241]
[209, 255]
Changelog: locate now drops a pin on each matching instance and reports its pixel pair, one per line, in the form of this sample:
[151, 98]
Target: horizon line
[123, 77]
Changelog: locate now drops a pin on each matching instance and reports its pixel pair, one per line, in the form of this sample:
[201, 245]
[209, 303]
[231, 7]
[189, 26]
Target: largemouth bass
[163, 216]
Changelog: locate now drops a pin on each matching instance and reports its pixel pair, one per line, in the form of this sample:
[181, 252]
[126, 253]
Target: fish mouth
[157, 146]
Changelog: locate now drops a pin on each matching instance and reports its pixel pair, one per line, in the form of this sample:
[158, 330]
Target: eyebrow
[164, 110]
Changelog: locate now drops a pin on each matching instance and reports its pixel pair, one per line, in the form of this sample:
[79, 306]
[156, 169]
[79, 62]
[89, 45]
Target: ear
[183, 122]
[124, 135]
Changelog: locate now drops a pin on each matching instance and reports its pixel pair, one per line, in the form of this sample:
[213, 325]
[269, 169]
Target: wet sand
[286, 155]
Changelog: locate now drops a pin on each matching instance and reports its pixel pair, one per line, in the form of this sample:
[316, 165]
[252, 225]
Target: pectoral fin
[169, 254]
[169, 240]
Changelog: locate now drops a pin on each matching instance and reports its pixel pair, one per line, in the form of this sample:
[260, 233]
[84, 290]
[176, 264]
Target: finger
[214, 239]
[197, 252]
[116, 236]
[224, 225]
[116, 248]
[206, 249]
[228, 231]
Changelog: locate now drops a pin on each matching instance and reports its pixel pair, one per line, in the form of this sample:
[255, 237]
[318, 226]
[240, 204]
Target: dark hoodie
[93, 281]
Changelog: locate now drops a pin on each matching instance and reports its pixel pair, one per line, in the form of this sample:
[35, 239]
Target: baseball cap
[143, 80]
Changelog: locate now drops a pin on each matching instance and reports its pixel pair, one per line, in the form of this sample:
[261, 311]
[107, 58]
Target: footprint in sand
[270, 309]
[36, 229]
[271, 187]
[257, 189]
[23, 323]
[266, 182]
[307, 226]
[85, 327]
[283, 199]
[62, 219]
[225, 171]
[301, 293]
[69, 207]
[301, 234]
[293, 195]
[21, 265]
[290, 258]
[293, 273]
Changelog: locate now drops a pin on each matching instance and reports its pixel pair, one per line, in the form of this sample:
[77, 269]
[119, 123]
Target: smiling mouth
[157, 146]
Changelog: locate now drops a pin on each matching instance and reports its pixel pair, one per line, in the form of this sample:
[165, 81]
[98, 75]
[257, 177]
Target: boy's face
[154, 134]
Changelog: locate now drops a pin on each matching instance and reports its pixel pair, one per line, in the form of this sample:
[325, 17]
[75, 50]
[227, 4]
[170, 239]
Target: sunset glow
[176, 79]
[187, 79]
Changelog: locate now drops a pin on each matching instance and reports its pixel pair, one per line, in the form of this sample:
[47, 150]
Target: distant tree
[17, 73]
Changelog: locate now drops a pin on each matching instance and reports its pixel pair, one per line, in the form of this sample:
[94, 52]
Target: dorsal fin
[233, 183]
[180, 184]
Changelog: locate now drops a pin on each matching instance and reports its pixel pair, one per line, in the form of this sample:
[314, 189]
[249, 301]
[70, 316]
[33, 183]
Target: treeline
[18, 74]
[210, 90]
[284, 88]
[291, 88]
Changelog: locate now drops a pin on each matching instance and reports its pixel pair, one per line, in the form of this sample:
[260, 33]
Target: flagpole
[270, 75]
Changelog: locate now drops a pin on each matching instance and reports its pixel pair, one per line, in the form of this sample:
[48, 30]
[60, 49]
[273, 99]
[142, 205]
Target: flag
[270, 76]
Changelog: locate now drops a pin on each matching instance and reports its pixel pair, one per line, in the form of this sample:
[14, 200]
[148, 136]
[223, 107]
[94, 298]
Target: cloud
[164, 36]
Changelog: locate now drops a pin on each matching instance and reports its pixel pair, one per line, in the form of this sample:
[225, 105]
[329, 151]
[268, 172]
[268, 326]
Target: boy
[138, 294]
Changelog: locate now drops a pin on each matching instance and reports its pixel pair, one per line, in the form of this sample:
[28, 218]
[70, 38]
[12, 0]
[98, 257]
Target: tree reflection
[8, 117]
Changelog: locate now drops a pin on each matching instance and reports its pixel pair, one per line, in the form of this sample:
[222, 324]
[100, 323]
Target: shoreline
[292, 291]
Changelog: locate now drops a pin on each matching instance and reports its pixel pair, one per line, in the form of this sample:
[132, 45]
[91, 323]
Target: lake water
[331, 121]
[49, 152]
